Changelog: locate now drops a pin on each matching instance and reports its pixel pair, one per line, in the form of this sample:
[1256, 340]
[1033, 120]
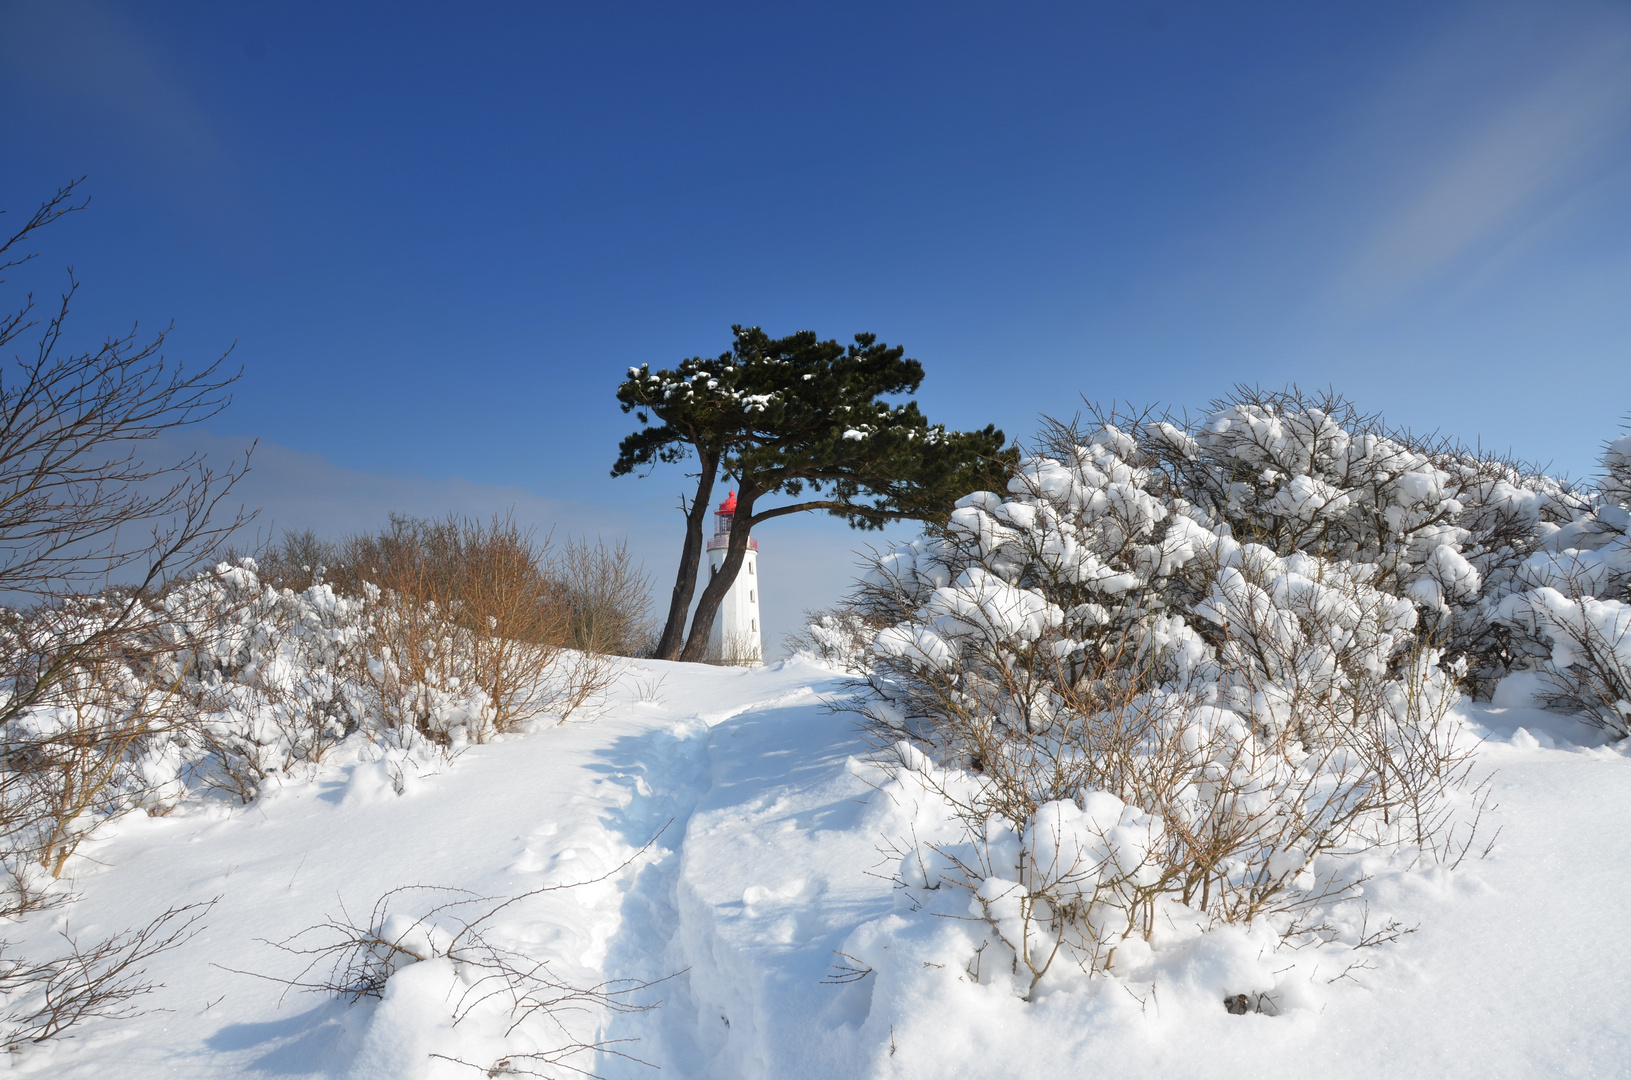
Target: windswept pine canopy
[806, 420]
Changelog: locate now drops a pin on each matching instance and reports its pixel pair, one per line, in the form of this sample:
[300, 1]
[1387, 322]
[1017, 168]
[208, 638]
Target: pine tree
[802, 418]
[698, 409]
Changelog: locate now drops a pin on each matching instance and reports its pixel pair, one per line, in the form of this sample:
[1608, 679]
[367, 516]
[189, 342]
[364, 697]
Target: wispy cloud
[82, 68]
[1513, 163]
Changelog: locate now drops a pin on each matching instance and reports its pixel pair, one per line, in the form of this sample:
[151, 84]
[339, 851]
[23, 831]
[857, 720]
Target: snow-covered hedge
[1127, 525]
[1191, 670]
[1574, 597]
[225, 682]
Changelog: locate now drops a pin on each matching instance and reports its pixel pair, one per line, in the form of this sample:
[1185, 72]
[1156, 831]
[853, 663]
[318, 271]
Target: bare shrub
[610, 599]
[301, 560]
[44, 999]
[582, 683]
[649, 691]
[355, 959]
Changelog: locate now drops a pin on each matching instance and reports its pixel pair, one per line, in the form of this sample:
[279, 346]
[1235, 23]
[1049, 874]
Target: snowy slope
[768, 861]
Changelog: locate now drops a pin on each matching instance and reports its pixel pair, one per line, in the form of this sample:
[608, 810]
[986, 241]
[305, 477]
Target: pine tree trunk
[702, 623]
[685, 585]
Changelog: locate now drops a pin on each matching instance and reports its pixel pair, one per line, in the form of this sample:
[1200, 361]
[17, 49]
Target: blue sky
[439, 236]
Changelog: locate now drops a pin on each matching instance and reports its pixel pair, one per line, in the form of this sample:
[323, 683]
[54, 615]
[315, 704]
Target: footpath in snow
[769, 864]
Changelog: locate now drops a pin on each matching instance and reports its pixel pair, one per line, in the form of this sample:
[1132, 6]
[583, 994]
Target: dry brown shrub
[477, 625]
[610, 598]
[471, 628]
[463, 606]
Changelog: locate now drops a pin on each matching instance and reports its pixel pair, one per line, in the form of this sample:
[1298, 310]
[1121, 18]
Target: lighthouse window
[755, 624]
[752, 599]
[750, 566]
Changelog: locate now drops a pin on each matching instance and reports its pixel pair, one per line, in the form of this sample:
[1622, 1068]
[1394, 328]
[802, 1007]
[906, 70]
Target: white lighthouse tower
[736, 628]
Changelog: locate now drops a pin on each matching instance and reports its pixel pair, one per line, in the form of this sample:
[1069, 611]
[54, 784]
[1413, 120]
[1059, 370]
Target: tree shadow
[310, 1042]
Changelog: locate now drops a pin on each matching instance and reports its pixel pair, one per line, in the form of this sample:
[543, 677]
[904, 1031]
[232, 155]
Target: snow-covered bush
[467, 623]
[1096, 795]
[224, 682]
[1453, 532]
[1198, 667]
[286, 672]
[103, 731]
[215, 683]
[1573, 598]
[419, 656]
[1192, 671]
[1438, 524]
[839, 636]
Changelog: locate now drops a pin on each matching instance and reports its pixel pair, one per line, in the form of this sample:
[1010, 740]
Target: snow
[771, 884]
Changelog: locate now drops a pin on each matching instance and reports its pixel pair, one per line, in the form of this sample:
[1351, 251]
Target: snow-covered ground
[768, 862]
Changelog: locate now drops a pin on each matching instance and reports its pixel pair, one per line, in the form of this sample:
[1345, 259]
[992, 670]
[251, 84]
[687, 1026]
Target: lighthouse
[735, 637]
